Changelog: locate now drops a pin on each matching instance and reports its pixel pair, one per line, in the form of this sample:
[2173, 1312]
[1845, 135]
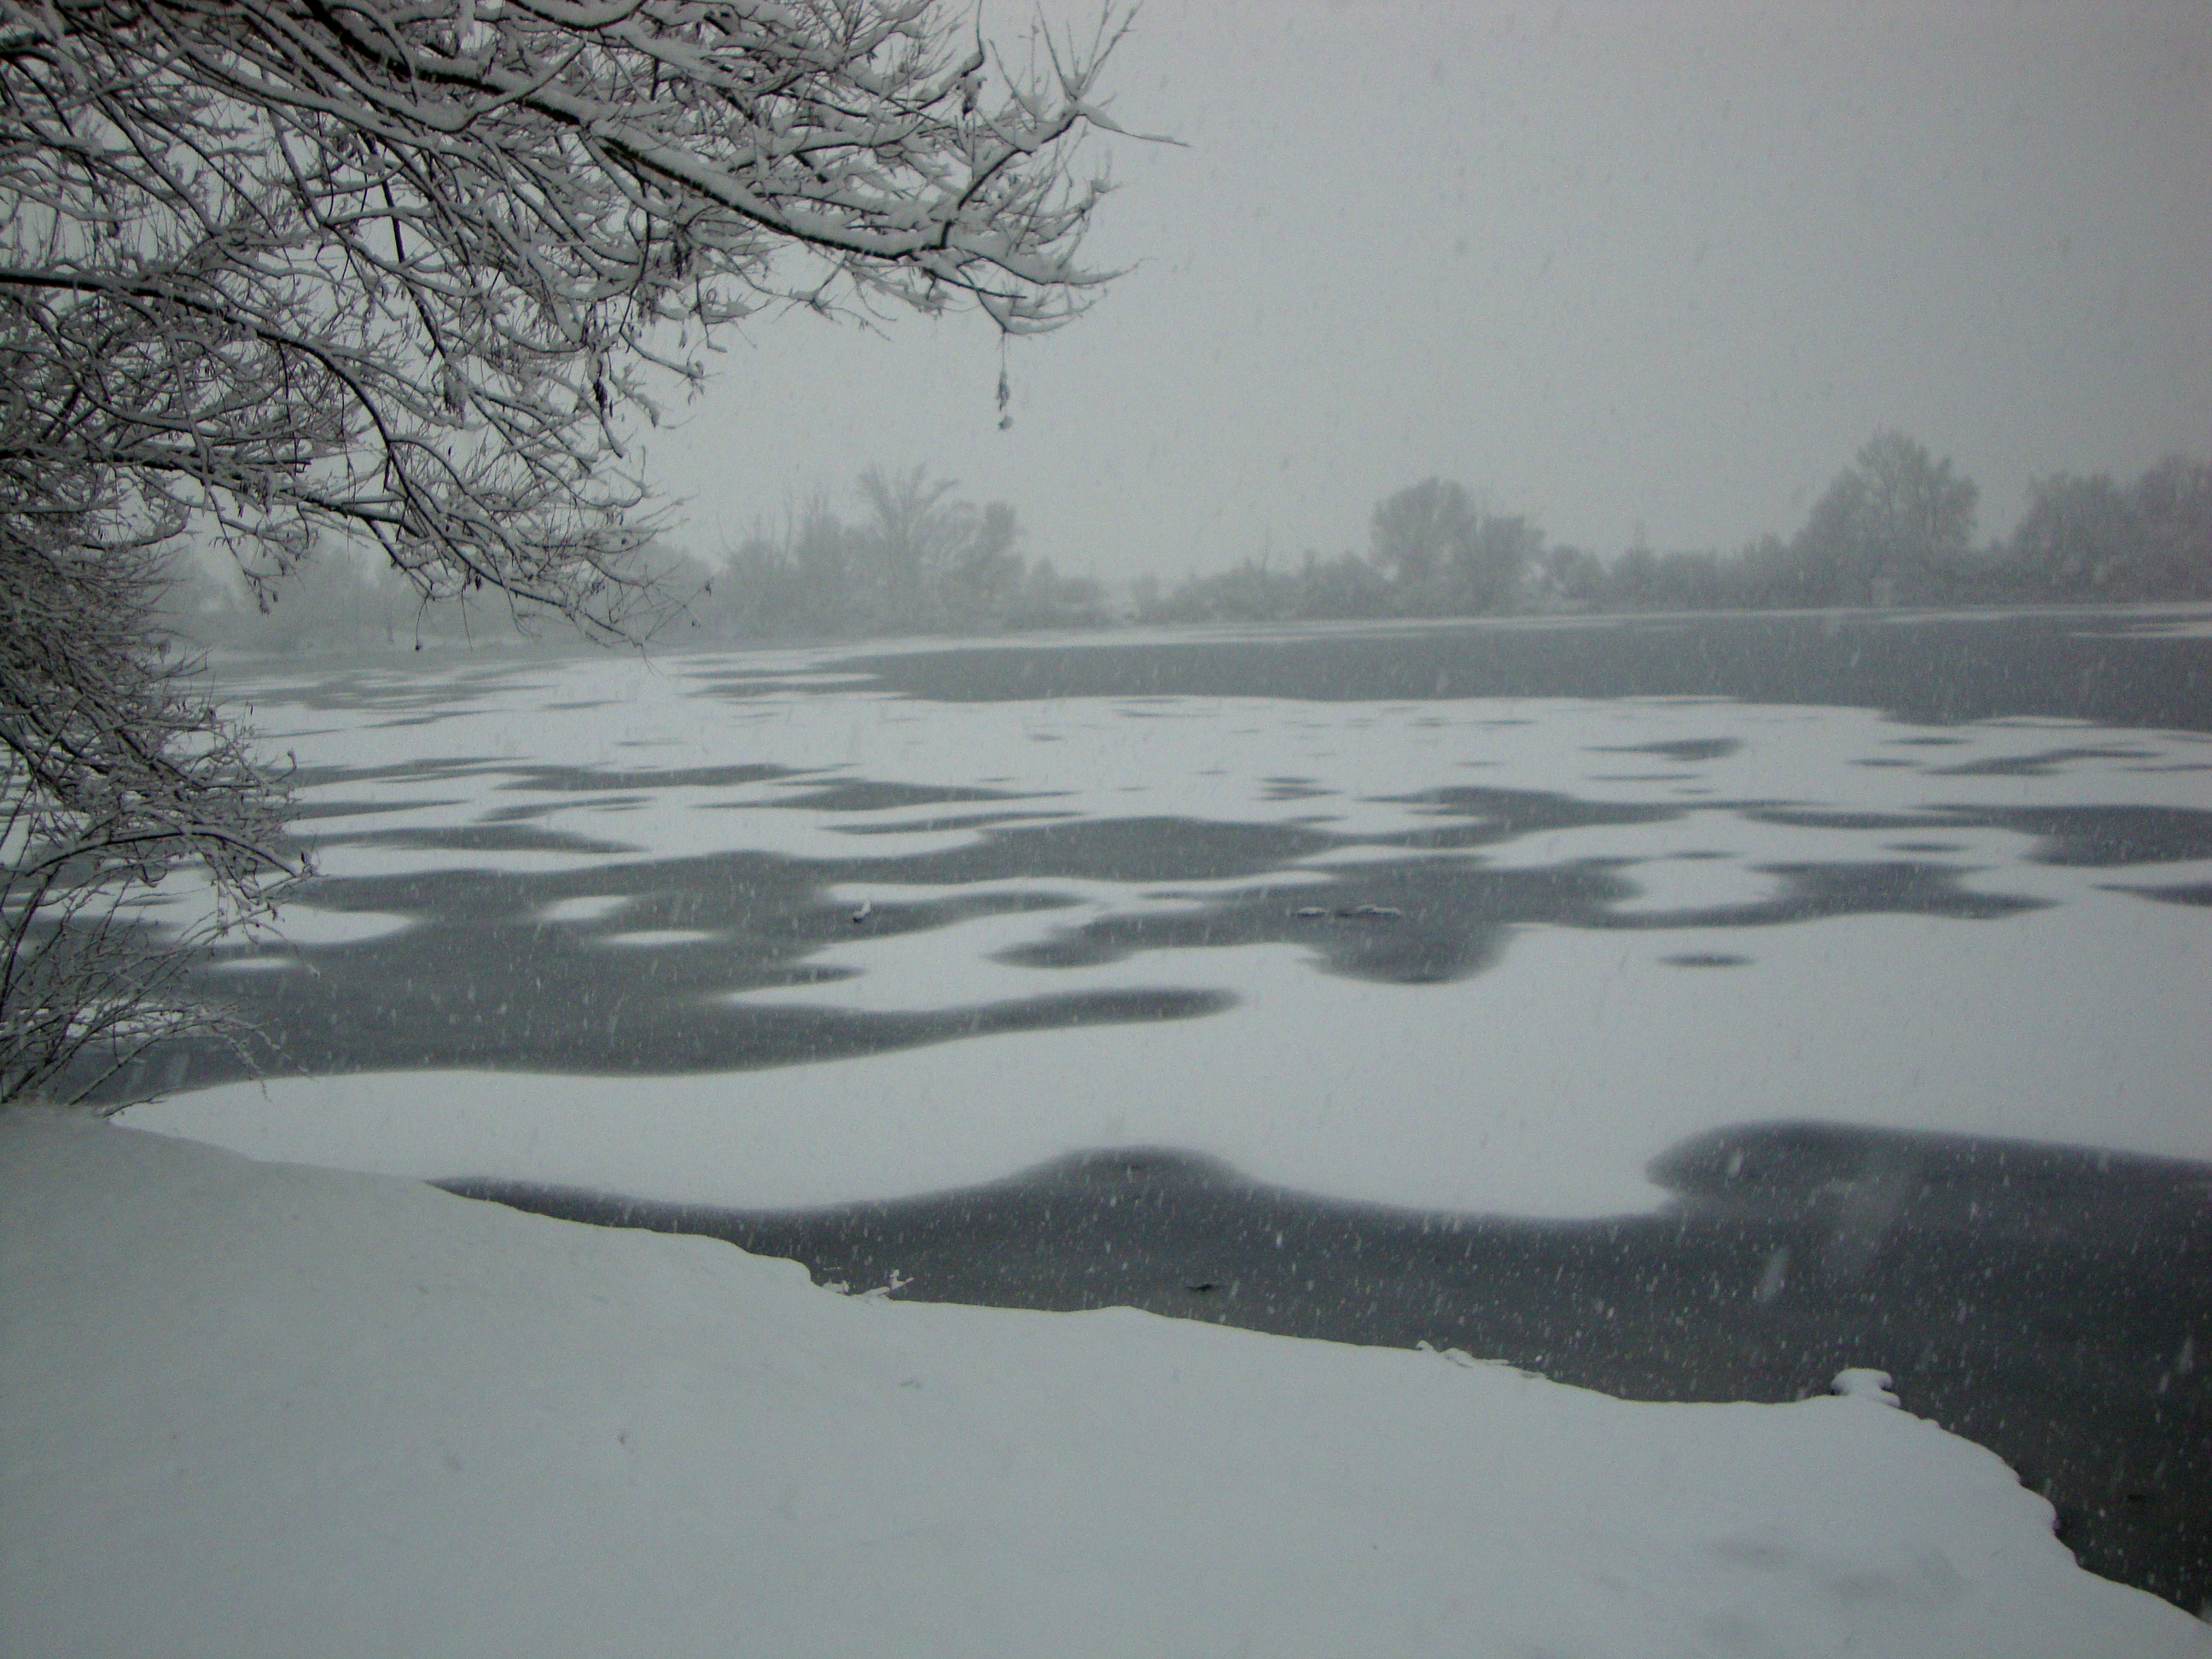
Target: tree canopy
[405, 271]
[2092, 537]
[1895, 515]
[272, 270]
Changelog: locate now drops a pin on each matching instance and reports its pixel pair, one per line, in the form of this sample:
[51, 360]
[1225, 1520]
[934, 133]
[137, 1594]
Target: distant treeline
[916, 559]
[1896, 527]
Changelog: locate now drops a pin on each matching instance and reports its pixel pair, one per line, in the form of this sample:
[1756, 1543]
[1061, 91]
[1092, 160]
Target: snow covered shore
[260, 1409]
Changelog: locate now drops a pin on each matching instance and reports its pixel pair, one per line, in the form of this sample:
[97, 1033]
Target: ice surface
[1542, 1084]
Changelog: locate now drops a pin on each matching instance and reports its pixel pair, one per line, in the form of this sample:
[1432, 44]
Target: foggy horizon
[1660, 268]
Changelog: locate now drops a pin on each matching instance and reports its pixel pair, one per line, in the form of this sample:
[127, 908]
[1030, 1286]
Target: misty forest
[910, 555]
[874, 827]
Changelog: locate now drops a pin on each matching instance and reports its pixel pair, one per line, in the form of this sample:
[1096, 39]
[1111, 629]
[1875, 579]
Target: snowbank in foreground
[258, 1409]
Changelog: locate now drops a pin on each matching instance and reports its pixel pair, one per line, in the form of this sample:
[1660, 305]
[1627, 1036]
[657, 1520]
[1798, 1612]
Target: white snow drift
[257, 1409]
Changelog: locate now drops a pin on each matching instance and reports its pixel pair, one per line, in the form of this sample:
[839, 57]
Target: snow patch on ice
[303, 924]
[587, 907]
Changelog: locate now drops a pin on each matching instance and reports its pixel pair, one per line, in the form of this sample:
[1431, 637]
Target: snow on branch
[406, 270]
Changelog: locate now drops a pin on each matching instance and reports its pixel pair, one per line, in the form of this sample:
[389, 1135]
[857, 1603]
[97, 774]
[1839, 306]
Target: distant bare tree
[1416, 531]
[1896, 517]
[2078, 536]
[913, 532]
[2085, 537]
[406, 272]
[2173, 504]
[1448, 555]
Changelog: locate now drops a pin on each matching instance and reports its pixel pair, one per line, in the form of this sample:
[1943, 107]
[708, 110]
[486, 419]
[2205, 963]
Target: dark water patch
[1680, 749]
[1818, 890]
[2095, 838]
[621, 1027]
[862, 795]
[536, 809]
[1707, 959]
[2047, 763]
[1942, 671]
[588, 780]
[1427, 921]
[1492, 816]
[2103, 837]
[2195, 892]
[378, 681]
[1408, 923]
[961, 821]
[1114, 1170]
[484, 979]
[1879, 1179]
[1903, 764]
[740, 691]
[483, 837]
[2045, 1302]
[1819, 817]
[309, 812]
[410, 771]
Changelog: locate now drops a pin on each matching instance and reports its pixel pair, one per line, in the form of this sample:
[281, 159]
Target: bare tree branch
[407, 270]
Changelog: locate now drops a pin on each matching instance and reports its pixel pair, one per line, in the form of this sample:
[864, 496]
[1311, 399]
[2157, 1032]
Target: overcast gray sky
[1669, 262]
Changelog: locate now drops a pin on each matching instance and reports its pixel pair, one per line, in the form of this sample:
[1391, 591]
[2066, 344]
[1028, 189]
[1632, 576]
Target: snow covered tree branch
[113, 770]
[275, 269]
[405, 271]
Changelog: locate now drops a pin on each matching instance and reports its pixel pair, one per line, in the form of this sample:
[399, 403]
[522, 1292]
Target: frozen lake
[1341, 907]
[1671, 1005]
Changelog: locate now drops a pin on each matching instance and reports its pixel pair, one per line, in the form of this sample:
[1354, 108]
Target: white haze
[1667, 264]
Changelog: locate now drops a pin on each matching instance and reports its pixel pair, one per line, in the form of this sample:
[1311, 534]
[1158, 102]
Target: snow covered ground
[257, 1409]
